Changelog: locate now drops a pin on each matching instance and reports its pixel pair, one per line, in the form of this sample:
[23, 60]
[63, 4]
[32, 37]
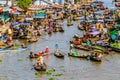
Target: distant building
[3, 2]
[45, 2]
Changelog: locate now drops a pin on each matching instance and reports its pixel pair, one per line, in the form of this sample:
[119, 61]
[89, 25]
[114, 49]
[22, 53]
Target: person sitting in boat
[23, 45]
[76, 36]
[96, 54]
[41, 53]
[31, 54]
[100, 55]
[88, 43]
[77, 42]
[41, 60]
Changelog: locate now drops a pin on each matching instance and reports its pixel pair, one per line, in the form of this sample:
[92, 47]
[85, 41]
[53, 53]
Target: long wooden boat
[61, 29]
[95, 58]
[32, 40]
[81, 47]
[79, 55]
[80, 27]
[59, 55]
[40, 67]
[115, 49]
[34, 56]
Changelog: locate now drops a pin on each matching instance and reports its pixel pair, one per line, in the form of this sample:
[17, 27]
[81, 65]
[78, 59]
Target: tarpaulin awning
[58, 6]
[42, 11]
[16, 12]
[95, 33]
[28, 18]
[6, 9]
[37, 7]
[14, 23]
[40, 16]
[23, 23]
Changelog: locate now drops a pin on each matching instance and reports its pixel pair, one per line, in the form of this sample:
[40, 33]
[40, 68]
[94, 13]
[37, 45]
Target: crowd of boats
[99, 24]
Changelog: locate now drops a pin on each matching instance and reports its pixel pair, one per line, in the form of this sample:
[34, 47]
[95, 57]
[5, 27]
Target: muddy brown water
[16, 65]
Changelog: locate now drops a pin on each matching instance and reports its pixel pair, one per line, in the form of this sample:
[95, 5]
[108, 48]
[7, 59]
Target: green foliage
[24, 4]
[49, 72]
[52, 78]
[0, 60]
[58, 74]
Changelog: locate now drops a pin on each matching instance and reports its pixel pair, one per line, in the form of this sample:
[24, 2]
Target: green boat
[115, 46]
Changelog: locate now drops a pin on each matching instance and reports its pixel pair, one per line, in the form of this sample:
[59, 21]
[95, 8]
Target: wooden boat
[50, 32]
[69, 24]
[61, 29]
[25, 37]
[95, 58]
[59, 55]
[34, 56]
[55, 30]
[117, 4]
[32, 40]
[6, 46]
[80, 27]
[81, 47]
[115, 49]
[79, 55]
[115, 46]
[40, 67]
[22, 37]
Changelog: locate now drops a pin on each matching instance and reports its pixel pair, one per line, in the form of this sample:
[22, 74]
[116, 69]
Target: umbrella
[95, 33]
[14, 23]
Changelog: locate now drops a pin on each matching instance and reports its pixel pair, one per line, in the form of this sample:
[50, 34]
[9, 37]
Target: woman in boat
[47, 50]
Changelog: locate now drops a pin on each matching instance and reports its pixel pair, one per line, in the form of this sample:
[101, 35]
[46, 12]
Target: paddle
[32, 67]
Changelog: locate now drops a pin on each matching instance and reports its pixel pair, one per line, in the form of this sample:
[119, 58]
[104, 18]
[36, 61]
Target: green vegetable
[49, 72]
[59, 74]
[52, 78]
[0, 60]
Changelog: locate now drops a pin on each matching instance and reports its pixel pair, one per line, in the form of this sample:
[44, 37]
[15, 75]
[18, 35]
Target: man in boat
[56, 49]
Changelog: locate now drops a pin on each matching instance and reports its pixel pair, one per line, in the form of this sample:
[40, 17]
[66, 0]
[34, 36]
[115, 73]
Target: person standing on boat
[47, 50]
[56, 47]
[71, 47]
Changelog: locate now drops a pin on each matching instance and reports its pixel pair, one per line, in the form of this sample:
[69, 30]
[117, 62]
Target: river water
[16, 65]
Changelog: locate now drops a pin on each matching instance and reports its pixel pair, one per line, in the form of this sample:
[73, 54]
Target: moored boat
[80, 27]
[96, 56]
[78, 55]
[81, 47]
[32, 40]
